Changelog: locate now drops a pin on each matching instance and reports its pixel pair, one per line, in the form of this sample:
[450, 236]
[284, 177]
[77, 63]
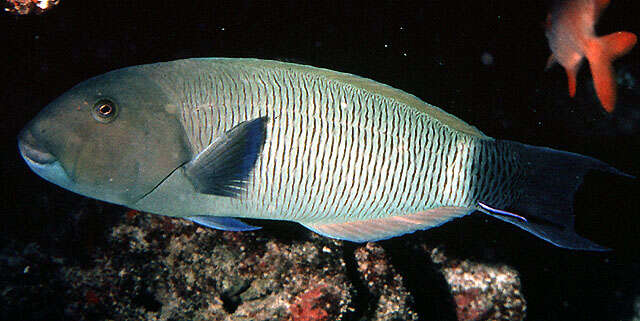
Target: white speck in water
[43, 4]
[487, 58]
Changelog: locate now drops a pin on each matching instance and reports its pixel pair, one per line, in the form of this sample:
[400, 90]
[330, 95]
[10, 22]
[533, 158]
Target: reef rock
[149, 267]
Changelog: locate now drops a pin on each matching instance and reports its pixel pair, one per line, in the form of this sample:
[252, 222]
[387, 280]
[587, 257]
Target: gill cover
[115, 136]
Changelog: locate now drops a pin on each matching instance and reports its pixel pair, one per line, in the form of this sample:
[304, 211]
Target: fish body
[217, 139]
[335, 149]
[571, 35]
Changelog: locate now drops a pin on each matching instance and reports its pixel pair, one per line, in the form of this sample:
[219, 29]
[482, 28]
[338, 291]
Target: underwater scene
[320, 160]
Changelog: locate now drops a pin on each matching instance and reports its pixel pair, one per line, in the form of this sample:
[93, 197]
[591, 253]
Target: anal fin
[383, 228]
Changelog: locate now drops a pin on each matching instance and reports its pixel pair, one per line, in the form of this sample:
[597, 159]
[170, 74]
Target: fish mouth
[43, 163]
[31, 151]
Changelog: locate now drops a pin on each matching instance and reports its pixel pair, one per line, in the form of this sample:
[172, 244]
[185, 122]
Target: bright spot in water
[43, 4]
[487, 59]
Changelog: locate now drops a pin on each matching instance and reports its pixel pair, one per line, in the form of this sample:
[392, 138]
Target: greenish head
[114, 137]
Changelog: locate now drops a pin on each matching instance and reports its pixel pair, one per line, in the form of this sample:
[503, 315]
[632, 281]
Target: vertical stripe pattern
[336, 152]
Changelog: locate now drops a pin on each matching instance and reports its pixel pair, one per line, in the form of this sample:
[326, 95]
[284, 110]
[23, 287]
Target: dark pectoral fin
[222, 223]
[223, 167]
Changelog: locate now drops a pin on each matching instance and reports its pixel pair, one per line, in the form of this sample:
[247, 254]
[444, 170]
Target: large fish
[572, 37]
[215, 139]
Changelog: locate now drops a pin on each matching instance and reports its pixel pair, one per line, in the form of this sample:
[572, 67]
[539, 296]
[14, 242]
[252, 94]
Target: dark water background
[433, 49]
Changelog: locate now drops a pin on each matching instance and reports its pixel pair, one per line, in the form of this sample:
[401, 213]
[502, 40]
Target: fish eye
[104, 111]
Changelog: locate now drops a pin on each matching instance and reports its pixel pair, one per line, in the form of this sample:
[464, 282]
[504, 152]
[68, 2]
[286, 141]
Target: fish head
[114, 137]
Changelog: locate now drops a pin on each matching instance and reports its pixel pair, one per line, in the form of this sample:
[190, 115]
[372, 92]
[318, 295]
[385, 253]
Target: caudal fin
[600, 53]
[545, 205]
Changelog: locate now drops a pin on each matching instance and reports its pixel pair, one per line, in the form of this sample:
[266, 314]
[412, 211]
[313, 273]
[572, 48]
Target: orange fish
[571, 35]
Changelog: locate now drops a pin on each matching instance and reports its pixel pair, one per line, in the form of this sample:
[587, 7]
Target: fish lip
[31, 151]
[43, 163]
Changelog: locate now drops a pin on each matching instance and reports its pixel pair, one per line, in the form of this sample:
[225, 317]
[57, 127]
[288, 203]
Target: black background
[432, 49]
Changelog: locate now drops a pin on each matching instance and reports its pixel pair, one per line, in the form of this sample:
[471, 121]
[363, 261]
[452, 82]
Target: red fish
[571, 35]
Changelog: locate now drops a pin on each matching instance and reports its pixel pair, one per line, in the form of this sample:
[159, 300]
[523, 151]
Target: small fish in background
[571, 34]
[217, 139]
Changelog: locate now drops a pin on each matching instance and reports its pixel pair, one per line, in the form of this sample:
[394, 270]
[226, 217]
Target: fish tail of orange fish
[600, 53]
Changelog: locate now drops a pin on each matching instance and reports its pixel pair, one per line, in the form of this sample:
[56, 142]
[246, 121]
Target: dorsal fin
[368, 85]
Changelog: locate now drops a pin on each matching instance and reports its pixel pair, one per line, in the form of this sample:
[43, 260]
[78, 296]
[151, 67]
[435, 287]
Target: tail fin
[545, 205]
[600, 53]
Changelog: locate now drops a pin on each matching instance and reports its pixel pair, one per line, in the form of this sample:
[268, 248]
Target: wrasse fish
[571, 35]
[217, 139]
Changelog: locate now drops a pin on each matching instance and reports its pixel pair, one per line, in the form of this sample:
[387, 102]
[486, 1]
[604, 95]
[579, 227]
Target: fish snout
[31, 150]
